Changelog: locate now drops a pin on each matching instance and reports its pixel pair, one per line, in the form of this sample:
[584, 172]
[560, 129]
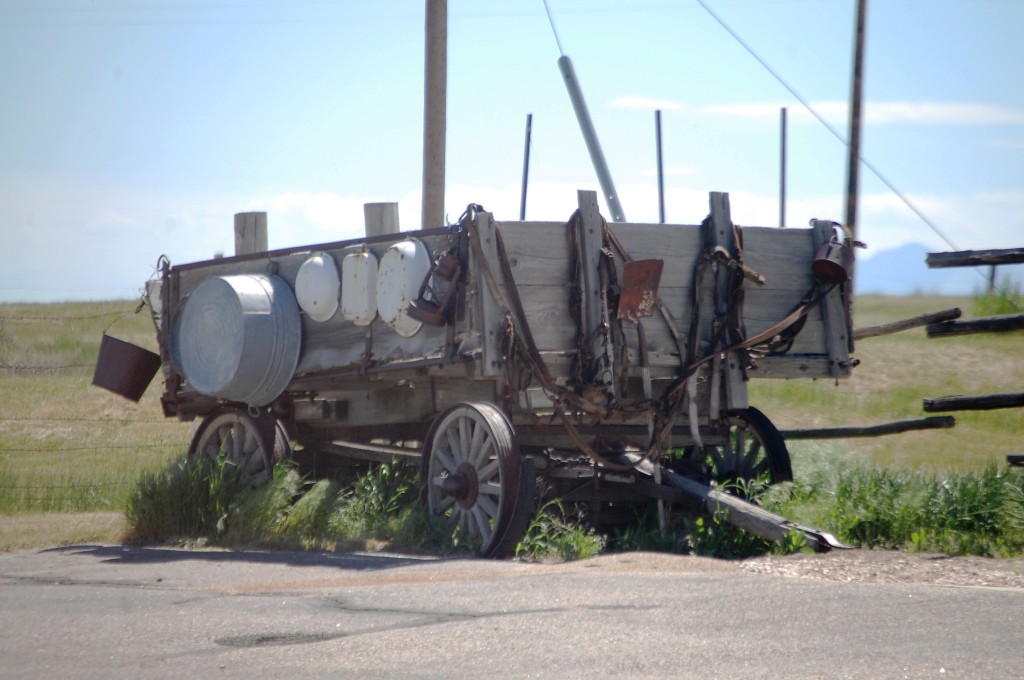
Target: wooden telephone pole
[853, 158]
[435, 87]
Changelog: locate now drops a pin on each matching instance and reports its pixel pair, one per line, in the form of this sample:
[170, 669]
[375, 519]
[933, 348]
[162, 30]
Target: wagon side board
[352, 375]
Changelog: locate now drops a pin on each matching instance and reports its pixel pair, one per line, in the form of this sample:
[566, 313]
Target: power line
[551, 20]
[62, 318]
[149, 421]
[89, 448]
[793, 91]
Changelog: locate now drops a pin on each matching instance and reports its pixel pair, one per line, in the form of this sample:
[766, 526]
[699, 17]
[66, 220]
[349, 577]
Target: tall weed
[551, 535]
[966, 513]
[1005, 299]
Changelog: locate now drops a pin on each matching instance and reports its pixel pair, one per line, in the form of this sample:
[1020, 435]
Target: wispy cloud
[645, 103]
[670, 171]
[883, 113]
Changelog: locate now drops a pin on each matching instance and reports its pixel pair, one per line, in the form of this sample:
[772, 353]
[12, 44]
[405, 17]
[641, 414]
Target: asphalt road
[117, 612]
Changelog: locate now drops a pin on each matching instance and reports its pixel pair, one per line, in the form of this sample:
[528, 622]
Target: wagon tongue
[737, 511]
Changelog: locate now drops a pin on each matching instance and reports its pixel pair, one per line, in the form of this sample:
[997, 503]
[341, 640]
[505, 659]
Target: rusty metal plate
[640, 280]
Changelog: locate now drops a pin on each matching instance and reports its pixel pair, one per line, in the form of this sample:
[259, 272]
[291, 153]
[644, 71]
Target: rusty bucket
[124, 368]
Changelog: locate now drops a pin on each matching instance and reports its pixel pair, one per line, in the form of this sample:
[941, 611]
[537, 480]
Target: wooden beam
[377, 453]
[975, 258]
[595, 304]
[735, 510]
[930, 423]
[380, 219]
[987, 324]
[835, 314]
[984, 402]
[250, 233]
[720, 233]
[490, 314]
[435, 106]
[905, 324]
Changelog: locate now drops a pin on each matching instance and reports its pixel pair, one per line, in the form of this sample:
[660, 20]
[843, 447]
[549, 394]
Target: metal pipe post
[526, 166]
[661, 172]
[782, 171]
[604, 177]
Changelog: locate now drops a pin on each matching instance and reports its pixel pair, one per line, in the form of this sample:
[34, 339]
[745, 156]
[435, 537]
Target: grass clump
[200, 501]
[197, 500]
[551, 534]
[969, 513]
[1004, 299]
[190, 499]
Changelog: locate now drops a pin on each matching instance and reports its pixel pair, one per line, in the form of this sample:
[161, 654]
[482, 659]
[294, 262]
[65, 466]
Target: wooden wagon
[608, 361]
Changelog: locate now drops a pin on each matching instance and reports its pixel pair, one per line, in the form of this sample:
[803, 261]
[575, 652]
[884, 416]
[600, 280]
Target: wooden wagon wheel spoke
[487, 505]
[446, 460]
[752, 449]
[490, 489]
[445, 503]
[490, 471]
[483, 523]
[472, 468]
[246, 442]
[454, 446]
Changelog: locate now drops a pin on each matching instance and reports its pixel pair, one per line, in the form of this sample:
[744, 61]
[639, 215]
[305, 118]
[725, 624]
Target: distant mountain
[902, 271]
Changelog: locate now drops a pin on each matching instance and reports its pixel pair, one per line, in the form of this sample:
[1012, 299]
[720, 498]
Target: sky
[131, 129]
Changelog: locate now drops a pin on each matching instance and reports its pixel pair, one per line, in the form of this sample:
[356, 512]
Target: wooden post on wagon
[250, 233]
[719, 232]
[380, 219]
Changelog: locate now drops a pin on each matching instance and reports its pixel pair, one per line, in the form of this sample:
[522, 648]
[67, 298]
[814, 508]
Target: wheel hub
[468, 486]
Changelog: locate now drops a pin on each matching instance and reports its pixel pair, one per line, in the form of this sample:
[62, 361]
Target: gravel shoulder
[892, 566]
[862, 566]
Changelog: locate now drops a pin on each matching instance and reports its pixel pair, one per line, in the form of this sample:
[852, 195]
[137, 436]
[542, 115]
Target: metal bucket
[240, 338]
[124, 368]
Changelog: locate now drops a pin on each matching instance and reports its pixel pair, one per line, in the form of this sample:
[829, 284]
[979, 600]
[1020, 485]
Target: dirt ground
[890, 566]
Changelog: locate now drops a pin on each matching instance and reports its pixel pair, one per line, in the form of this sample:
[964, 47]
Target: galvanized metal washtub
[239, 338]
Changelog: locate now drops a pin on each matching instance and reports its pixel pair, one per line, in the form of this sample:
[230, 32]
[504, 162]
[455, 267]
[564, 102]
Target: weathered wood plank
[250, 233]
[988, 324]
[595, 311]
[930, 423]
[791, 366]
[980, 403]
[906, 324]
[975, 258]
[736, 511]
[720, 234]
[489, 314]
[835, 314]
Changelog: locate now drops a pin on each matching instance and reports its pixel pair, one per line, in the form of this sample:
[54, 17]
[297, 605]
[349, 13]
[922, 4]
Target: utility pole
[435, 86]
[853, 158]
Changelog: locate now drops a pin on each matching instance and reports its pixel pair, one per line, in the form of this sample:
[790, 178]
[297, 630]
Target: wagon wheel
[253, 444]
[476, 480]
[753, 449]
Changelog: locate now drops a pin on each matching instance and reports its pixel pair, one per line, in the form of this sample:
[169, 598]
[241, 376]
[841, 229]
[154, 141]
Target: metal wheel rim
[472, 473]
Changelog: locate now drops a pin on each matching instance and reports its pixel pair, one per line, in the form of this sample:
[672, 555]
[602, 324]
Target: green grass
[1005, 299]
[198, 501]
[67, 446]
[896, 373]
